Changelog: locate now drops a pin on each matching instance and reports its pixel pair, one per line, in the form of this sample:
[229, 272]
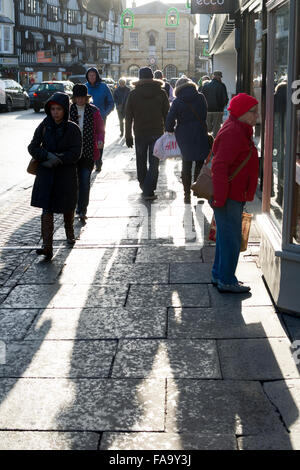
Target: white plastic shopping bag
[166, 146]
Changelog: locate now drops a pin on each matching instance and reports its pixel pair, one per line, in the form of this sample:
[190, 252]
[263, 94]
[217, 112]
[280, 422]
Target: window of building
[171, 40]
[133, 40]
[0, 5]
[89, 21]
[170, 71]
[52, 13]
[5, 38]
[72, 17]
[30, 7]
[281, 42]
[100, 26]
[133, 71]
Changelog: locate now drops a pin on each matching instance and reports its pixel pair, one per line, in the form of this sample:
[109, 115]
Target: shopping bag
[166, 147]
[246, 224]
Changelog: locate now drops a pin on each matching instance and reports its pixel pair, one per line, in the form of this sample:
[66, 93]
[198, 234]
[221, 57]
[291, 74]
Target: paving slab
[35, 440]
[258, 296]
[58, 359]
[190, 273]
[177, 295]
[285, 441]
[166, 441]
[285, 395]
[96, 256]
[41, 272]
[257, 359]
[219, 407]
[167, 254]
[158, 358]
[101, 323]
[14, 324]
[82, 404]
[64, 296]
[146, 273]
[227, 322]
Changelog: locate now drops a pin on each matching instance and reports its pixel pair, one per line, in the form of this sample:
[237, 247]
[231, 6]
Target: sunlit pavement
[123, 343]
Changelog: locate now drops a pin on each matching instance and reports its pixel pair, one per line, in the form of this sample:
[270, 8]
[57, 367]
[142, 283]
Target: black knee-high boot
[69, 227]
[47, 227]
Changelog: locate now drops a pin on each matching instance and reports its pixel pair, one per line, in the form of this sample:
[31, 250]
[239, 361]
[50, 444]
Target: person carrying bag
[234, 177]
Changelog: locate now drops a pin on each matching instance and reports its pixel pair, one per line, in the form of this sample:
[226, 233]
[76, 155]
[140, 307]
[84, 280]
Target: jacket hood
[148, 87]
[187, 91]
[63, 100]
[93, 69]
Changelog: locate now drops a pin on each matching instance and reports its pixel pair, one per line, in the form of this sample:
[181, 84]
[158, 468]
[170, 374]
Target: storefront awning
[37, 36]
[59, 40]
[78, 43]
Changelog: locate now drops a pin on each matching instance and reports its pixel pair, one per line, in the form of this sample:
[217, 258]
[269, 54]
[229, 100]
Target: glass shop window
[281, 42]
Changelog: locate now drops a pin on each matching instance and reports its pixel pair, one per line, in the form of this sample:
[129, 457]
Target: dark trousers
[121, 116]
[98, 163]
[186, 174]
[84, 184]
[147, 174]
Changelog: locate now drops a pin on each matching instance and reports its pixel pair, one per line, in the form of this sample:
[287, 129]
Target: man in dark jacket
[120, 98]
[147, 108]
[102, 98]
[216, 96]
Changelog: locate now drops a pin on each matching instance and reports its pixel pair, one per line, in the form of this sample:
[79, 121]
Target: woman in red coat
[232, 148]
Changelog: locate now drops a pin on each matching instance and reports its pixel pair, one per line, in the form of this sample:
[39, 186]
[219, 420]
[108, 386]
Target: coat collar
[247, 129]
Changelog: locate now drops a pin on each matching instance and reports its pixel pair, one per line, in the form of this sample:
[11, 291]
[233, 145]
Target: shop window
[280, 107]
[257, 73]
[295, 228]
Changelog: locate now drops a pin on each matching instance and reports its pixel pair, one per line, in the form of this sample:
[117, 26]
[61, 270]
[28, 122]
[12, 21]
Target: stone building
[162, 37]
[8, 60]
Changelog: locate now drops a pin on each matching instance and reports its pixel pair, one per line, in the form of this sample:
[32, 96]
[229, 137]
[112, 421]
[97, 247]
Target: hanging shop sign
[214, 6]
[44, 56]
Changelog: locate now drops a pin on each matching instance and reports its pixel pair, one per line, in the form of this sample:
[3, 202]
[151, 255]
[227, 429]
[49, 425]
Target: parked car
[77, 78]
[129, 80]
[110, 83]
[82, 79]
[46, 89]
[15, 95]
[30, 92]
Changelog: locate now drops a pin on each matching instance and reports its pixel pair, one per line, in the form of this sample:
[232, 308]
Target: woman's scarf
[88, 130]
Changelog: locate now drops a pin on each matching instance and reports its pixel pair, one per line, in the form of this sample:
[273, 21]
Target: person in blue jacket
[102, 98]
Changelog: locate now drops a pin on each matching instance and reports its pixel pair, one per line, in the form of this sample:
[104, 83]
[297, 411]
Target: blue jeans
[228, 242]
[147, 177]
[84, 180]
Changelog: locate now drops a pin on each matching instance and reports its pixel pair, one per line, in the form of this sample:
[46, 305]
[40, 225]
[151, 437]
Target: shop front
[280, 219]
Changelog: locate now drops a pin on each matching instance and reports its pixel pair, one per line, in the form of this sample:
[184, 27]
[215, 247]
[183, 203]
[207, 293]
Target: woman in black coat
[189, 110]
[56, 145]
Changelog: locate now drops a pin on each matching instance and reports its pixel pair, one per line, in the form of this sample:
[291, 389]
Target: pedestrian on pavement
[56, 145]
[167, 87]
[216, 96]
[147, 108]
[203, 80]
[188, 112]
[234, 155]
[91, 124]
[120, 97]
[102, 98]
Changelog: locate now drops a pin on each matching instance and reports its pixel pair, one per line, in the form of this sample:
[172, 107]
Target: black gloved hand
[52, 161]
[129, 142]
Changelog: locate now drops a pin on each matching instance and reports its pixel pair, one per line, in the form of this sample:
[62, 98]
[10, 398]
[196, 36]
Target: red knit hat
[241, 103]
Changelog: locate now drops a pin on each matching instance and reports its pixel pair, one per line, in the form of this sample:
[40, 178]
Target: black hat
[158, 74]
[79, 90]
[145, 72]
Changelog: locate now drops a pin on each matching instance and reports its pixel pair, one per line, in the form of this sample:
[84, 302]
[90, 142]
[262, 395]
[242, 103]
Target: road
[16, 131]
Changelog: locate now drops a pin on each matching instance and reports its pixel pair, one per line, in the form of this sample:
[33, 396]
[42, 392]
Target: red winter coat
[231, 147]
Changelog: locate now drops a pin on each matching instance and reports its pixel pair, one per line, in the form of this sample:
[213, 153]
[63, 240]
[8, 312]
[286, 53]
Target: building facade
[9, 64]
[160, 40]
[58, 38]
[263, 36]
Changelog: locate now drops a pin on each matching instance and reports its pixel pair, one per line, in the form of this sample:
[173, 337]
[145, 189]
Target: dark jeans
[228, 243]
[84, 180]
[186, 174]
[147, 175]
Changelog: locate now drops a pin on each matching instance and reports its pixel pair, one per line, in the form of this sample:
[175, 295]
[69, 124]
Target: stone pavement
[123, 343]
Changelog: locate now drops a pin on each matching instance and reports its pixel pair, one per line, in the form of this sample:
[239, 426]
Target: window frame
[52, 17]
[173, 33]
[72, 16]
[131, 33]
[30, 7]
[89, 22]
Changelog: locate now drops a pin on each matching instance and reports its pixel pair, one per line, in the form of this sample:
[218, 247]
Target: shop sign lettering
[214, 6]
[296, 94]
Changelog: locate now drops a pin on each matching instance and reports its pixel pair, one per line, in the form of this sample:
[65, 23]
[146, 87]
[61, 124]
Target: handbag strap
[196, 114]
[240, 166]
